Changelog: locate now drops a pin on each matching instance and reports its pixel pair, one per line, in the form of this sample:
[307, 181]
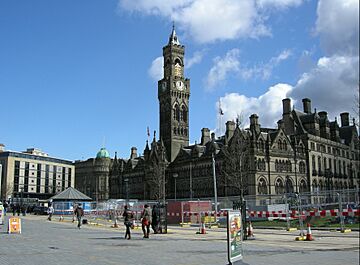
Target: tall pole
[215, 189]
[175, 177]
[191, 191]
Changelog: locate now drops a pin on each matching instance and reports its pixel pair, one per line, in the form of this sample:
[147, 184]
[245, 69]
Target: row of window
[328, 149]
[180, 131]
[281, 186]
[180, 114]
[57, 181]
[328, 164]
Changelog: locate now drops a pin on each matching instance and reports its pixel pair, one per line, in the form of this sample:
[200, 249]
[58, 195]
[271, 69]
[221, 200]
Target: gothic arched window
[302, 167]
[184, 113]
[262, 186]
[177, 113]
[302, 186]
[284, 145]
[279, 186]
[289, 187]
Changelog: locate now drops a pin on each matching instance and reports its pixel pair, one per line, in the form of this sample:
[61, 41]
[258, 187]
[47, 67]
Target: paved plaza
[44, 242]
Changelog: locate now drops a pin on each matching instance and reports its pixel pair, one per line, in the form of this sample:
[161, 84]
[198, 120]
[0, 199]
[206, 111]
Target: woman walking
[128, 217]
[146, 220]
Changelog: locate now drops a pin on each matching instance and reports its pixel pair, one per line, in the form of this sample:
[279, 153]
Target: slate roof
[71, 194]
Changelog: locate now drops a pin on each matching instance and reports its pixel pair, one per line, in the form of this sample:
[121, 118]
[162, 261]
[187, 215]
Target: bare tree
[157, 180]
[236, 168]
[9, 190]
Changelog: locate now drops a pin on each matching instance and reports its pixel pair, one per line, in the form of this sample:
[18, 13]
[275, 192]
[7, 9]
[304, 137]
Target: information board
[14, 225]
[234, 236]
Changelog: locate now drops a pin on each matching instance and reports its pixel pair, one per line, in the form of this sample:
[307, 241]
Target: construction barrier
[279, 214]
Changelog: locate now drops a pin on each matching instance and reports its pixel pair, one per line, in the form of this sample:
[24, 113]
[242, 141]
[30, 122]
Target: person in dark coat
[79, 213]
[128, 218]
[155, 219]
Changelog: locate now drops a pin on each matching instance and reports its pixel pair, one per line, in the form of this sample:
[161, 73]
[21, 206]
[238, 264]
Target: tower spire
[173, 38]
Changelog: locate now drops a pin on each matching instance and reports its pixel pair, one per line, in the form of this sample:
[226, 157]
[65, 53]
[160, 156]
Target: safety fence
[277, 214]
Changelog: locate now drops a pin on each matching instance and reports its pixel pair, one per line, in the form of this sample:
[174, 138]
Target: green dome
[103, 153]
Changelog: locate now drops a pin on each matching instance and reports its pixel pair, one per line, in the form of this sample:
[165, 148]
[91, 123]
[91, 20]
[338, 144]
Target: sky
[76, 76]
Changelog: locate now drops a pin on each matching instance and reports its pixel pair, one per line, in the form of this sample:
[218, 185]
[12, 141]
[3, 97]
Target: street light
[175, 175]
[127, 190]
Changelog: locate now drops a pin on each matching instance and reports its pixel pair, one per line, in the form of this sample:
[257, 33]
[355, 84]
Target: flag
[148, 131]
[220, 109]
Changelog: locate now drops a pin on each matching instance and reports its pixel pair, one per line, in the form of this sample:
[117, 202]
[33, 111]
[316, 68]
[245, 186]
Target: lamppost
[215, 188]
[21, 200]
[127, 190]
[175, 175]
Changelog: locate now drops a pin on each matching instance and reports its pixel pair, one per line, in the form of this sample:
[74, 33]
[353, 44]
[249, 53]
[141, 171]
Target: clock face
[179, 85]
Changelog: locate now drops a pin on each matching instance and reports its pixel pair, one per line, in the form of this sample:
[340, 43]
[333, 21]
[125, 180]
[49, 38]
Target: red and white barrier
[276, 214]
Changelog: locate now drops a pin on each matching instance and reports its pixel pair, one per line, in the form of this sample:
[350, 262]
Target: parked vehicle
[40, 210]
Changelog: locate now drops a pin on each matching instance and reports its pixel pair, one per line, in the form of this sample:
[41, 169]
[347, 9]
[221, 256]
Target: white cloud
[333, 82]
[209, 21]
[156, 71]
[264, 70]
[230, 64]
[267, 106]
[195, 59]
[338, 26]
[331, 85]
[222, 67]
[280, 4]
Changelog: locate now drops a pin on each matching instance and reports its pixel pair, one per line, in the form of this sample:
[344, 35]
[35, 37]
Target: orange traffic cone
[308, 234]
[202, 230]
[115, 225]
[250, 231]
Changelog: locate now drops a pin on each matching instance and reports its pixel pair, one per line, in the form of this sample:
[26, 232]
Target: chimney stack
[286, 106]
[205, 136]
[230, 128]
[254, 123]
[344, 119]
[133, 153]
[307, 105]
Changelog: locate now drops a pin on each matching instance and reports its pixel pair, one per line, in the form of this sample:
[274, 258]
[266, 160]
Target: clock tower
[173, 95]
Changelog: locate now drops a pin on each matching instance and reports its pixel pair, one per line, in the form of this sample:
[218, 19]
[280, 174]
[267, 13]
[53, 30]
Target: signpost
[14, 225]
[234, 236]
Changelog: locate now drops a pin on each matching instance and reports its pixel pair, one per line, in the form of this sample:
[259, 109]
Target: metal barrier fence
[284, 206]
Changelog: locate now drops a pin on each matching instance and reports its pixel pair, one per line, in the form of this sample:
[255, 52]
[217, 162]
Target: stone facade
[93, 176]
[305, 153]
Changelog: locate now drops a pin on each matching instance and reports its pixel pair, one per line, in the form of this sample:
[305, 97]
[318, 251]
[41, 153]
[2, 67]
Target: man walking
[50, 212]
[79, 213]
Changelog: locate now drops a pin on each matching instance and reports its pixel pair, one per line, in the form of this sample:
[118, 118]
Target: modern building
[33, 174]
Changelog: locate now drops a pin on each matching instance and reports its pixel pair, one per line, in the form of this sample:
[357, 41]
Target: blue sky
[77, 75]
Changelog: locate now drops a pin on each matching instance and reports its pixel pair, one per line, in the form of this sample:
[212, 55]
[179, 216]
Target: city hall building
[33, 174]
[306, 152]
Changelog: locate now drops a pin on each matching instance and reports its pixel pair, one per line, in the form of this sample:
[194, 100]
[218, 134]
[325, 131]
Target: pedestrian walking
[128, 219]
[6, 205]
[155, 219]
[146, 220]
[50, 212]
[79, 213]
